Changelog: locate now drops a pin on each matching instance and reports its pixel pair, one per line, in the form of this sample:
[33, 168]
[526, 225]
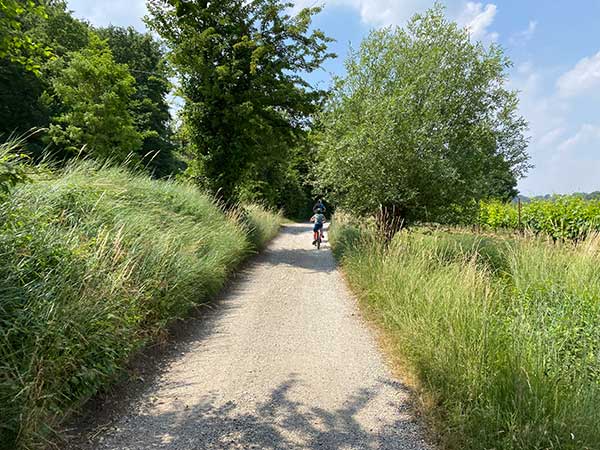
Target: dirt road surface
[282, 362]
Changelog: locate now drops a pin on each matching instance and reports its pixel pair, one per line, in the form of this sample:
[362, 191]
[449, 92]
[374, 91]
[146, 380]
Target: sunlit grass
[502, 334]
[93, 263]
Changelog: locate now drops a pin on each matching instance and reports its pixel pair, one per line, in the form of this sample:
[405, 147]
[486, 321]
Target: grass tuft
[502, 334]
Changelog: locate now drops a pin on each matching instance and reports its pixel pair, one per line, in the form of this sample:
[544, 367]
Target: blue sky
[555, 48]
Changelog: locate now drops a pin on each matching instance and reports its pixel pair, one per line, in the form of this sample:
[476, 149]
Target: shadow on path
[309, 259]
[148, 366]
[279, 422]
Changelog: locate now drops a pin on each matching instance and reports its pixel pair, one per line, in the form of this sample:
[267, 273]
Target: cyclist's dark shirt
[319, 205]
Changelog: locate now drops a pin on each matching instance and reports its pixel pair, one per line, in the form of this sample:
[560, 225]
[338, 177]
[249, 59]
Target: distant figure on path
[319, 205]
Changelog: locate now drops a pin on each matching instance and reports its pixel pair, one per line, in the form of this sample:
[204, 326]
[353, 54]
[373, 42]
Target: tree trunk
[390, 219]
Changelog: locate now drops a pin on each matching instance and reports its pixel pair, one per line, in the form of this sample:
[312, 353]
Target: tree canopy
[240, 65]
[422, 122]
[94, 92]
[145, 59]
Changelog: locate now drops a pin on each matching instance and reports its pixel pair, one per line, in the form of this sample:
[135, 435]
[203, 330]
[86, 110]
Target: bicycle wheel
[319, 243]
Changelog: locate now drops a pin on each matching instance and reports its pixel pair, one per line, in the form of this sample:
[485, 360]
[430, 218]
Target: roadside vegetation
[560, 217]
[94, 262]
[501, 335]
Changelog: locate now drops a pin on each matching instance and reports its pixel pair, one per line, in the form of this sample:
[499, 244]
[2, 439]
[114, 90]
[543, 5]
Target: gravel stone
[283, 362]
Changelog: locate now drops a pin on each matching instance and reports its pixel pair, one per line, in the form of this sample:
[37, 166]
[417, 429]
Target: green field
[501, 334]
[561, 217]
[95, 262]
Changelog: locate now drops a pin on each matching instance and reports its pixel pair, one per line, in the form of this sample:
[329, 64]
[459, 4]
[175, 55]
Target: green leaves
[246, 103]
[95, 93]
[12, 171]
[14, 168]
[562, 217]
[14, 43]
[145, 59]
[421, 122]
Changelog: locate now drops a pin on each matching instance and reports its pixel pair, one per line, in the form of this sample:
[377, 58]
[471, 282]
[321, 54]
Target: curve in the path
[284, 362]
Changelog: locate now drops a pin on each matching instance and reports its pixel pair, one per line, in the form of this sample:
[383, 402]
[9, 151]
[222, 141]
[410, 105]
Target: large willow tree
[421, 123]
[240, 65]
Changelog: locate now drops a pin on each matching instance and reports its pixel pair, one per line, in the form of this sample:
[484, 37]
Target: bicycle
[318, 237]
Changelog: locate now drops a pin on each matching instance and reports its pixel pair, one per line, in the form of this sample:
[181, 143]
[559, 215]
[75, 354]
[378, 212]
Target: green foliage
[561, 217]
[261, 224]
[13, 166]
[421, 122]
[281, 186]
[24, 93]
[95, 92]
[94, 262]
[145, 59]
[59, 29]
[501, 336]
[247, 105]
[16, 45]
[21, 108]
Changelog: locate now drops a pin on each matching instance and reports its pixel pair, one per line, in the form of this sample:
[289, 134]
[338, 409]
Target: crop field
[562, 217]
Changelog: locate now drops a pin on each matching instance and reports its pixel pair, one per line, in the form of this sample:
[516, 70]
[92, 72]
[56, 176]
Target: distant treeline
[583, 195]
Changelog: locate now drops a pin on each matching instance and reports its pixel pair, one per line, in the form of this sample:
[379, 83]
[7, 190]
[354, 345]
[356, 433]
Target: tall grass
[503, 336]
[94, 262]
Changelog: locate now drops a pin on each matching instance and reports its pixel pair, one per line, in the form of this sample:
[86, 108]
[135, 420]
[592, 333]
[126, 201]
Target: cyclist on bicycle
[320, 206]
[319, 220]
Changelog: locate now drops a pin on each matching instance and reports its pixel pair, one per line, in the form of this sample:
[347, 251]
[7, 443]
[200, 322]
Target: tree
[20, 107]
[23, 105]
[422, 122]
[95, 93]
[240, 65]
[149, 108]
[58, 29]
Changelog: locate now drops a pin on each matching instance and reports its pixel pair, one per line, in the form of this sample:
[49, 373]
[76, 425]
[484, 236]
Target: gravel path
[283, 362]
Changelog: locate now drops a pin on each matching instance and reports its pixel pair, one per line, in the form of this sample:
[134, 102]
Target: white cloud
[524, 36]
[477, 18]
[584, 77]
[107, 12]
[552, 136]
[548, 122]
[375, 12]
[587, 134]
[545, 112]
[574, 165]
[564, 150]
